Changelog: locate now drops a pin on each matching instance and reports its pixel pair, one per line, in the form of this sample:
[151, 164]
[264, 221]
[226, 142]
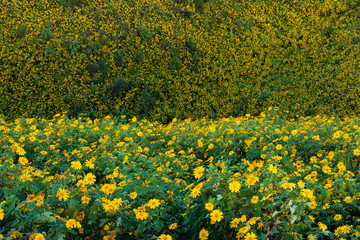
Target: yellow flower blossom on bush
[173, 226]
[72, 223]
[242, 231]
[251, 180]
[235, 222]
[2, 214]
[23, 160]
[153, 203]
[254, 199]
[356, 152]
[216, 216]
[62, 194]
[16, 234]
[322, 226]
[89, 178]
[272, 169]
[253, 220]
[209, 206]
[37, 236]
[347, 199]
[250, 236]
[337, 217]
[76, 165]
[108, 188]
[85, 199]
[234, 186]
[142, 215]
[204, 234]
[164, 237]
[133, 195]
[198, 172]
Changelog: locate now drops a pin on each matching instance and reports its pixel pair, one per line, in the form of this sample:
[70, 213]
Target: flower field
[263, 177]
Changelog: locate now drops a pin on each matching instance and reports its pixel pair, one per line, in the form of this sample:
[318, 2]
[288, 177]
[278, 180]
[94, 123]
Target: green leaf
[103, 222]
[60, 236]
[141, 228]
[45, 218]
[119, 222]
[275, 213]
[292, 209]
[158, 225]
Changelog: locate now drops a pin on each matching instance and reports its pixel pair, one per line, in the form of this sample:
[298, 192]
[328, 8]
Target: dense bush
[178, 58]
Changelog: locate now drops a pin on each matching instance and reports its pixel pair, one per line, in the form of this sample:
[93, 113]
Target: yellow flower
[272, 169]
[337, 217]
[2, 214]
[198, 172]
[306, 193]
[209, 206]
[243, 218]
[235, 222]
[72, 223]
[164, 237]
[250, 236]
[89, 164]
[204, 234]
[153, 203]
[356, 152]
[341, 166]
[301, 184]
[279, 147]
[251, 180]
[234, 186]
[254, 199]
[347, 199]
[322, 226]
[62, 194]
[16, 234]
[242, 231]
[20, 151]
[108, 188]
[23, 160]
[85, 199]
[195, 192]
[76, 165]
[112, 206]
[133, 195]
[141, 215]
[37, 236]
[216, 216]
[89, 178]
[253, 220]
[173, 226]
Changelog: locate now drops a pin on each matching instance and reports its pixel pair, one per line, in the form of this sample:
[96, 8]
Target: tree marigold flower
[198, 172]
[72, 223]
[209, 206]
[216, 216]
[2, 214]
[62, 194]
[89, 178]
[250, 236]
[37, 236]
[204, 234]
[173, 226]
[164, 237]
[322, 226]
[153, 203]
[234, 186]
